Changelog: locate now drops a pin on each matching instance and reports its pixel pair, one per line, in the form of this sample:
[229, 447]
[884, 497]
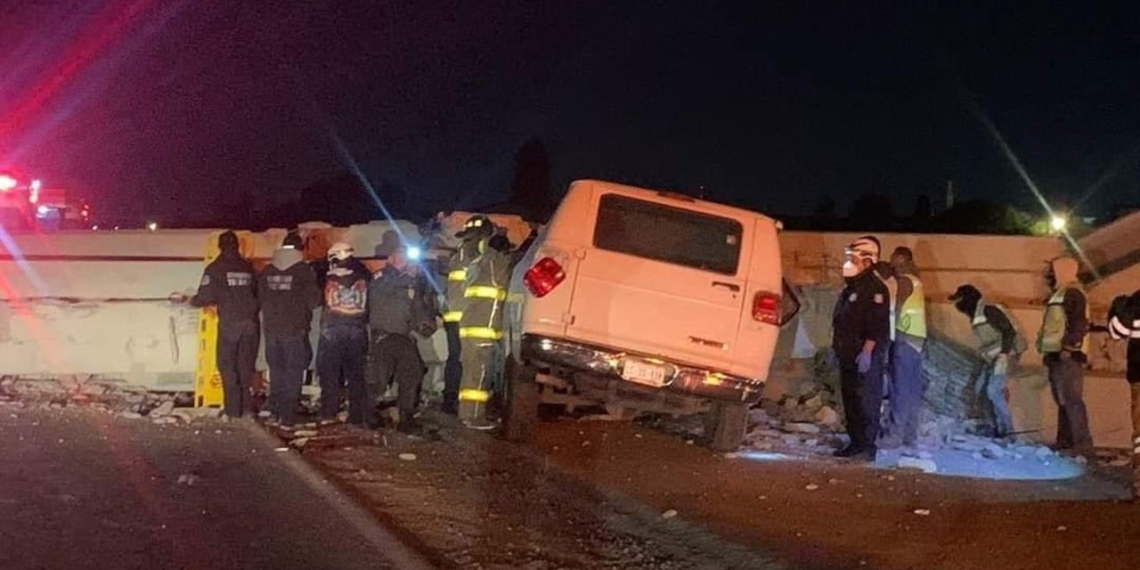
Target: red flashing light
[541, 279]
[7, 182]
[766, 308]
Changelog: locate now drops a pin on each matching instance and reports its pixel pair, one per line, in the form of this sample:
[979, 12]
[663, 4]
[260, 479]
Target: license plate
[643, 373]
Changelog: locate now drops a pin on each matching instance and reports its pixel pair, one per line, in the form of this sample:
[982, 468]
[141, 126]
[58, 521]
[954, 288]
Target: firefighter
[481, 331]
[909, 323]
[475, 229]
[344, 337]
[228, 285]
[861, 340]
[999, 344]
[1063, 343]
[1124, 323]
[399, 306]
[289, 293]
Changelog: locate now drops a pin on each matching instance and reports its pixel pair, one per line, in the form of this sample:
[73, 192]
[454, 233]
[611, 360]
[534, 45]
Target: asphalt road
[82, 489]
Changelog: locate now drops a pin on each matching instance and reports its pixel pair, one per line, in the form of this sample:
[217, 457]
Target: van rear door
[663, 276]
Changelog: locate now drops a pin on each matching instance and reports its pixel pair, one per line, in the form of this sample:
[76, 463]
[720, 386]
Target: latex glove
[1001, 364]
[863, 362]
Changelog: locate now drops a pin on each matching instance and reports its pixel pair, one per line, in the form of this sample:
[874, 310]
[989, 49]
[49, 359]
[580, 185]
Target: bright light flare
[152, 226]
[7, 182]
[415, 253]
[1059, 223]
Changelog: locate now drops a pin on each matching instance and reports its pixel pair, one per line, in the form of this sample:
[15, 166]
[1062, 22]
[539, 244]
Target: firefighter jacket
[484, 296]
[1065, 326]
[1124, 323]
[456, 283]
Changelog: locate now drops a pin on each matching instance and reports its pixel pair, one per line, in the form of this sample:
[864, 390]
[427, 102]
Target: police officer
[861, 339]
[228, 285]
[909, 324]
[481, 331]
[475, 229]
[288, 291]
[344, 337]
[399, 306]
[1124, 323]
[999, 345]
[1063, 343]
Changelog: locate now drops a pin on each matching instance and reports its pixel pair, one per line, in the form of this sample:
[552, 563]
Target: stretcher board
[208, 390]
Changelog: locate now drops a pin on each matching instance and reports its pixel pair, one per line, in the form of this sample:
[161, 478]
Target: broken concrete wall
[1007, 269]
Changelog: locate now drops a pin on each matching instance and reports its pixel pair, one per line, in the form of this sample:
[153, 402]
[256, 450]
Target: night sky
[152, 107]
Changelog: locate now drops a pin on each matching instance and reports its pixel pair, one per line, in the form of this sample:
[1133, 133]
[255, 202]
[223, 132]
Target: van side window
[672, 235]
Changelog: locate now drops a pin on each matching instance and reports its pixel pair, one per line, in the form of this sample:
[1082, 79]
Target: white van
[646, 301]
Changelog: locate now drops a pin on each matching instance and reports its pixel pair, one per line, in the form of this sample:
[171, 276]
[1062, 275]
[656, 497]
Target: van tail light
[543, 277]
[766, 308]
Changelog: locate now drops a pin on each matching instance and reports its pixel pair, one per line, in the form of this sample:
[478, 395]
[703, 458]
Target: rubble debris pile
[110, 396]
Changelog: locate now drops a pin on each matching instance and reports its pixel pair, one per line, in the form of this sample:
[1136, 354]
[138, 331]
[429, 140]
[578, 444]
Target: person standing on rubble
[228, 285]
[1063, 344]
[481, 330]
[398, 308]
[1124, 323]
[289, 293]
[909, 324]
[474, 230]
[861, 340]
[344, 336]
[999, 345]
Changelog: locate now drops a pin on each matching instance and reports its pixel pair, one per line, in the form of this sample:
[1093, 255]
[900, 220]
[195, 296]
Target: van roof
[669, 194]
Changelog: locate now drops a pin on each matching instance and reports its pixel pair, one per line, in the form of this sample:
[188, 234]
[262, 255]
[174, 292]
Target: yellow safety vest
[1051, 338]
[912, 314]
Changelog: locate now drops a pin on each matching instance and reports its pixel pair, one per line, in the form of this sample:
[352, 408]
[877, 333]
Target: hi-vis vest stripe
[1119, 330]
[472, 395]
[485, 292]
[1051, 339]
[457, 275]
[453, 316]
[912, 314]
[480, 333]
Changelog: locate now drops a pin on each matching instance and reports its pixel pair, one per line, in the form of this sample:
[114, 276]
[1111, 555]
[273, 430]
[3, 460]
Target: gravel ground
[475, 502]
[621, 495]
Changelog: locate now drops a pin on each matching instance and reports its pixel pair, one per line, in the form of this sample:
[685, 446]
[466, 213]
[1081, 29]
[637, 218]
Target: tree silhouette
[923, 208]
[825, 207]
[872, 212]
[532, 192]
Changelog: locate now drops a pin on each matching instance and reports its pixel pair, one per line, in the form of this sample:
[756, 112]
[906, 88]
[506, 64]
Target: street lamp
[1059, 223]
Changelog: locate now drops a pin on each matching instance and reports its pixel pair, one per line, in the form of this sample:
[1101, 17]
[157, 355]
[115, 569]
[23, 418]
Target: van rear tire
[522, 399]
[725, 426]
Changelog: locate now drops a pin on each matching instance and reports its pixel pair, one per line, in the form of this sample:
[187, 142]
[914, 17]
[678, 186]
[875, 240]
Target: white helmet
[864, 249]
[340, 251]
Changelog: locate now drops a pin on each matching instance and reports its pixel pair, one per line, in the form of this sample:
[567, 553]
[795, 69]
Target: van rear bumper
[608, 363]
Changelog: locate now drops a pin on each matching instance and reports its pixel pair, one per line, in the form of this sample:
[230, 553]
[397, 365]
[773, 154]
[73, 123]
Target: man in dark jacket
[344, 336]
[999, 345]
[288, 292]
[861, 339]
[228, 285]
[1124, 323]
[399, 306]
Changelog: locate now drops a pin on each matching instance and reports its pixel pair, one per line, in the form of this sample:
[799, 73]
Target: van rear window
[672, 235]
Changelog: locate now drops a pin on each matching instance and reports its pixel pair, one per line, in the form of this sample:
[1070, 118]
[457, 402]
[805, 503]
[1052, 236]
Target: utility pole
[949, 194]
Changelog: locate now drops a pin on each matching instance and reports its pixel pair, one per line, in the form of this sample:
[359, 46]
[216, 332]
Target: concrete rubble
[104, 395]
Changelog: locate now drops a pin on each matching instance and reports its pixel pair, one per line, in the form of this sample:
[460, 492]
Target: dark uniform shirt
[863, 313]
[288, 297]
[229, 284]
[1124, 316]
